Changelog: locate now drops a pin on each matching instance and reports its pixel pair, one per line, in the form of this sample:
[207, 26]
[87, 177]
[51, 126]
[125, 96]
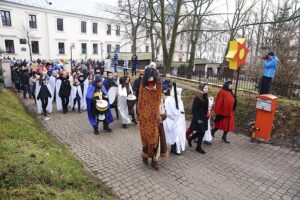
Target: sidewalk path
[239, 170]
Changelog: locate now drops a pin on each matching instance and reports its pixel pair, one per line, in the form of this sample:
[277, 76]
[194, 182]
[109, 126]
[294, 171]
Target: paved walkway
[240, 170]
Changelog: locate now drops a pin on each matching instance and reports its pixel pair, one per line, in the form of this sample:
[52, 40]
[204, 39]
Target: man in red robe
[224, 108]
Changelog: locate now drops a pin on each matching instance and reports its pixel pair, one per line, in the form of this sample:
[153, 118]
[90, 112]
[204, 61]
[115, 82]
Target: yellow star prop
[237, 53]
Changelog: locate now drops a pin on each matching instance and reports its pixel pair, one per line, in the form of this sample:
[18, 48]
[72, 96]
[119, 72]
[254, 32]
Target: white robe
[207, 137]
[39, 102]
[122, 104]
[83, 99]
[74, 90]
[58, 99]
[174, 124]
[52, 83]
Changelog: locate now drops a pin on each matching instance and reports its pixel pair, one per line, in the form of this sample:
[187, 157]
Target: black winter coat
[136, 87]
[199, 111]
[25, 78]
[44, 92]
[65, 89]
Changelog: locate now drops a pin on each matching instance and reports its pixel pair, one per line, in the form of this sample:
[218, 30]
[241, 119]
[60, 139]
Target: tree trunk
[192, 59]
[163, 36]
[134, 42]
[174, 36]
[29, 46]
[153, 49]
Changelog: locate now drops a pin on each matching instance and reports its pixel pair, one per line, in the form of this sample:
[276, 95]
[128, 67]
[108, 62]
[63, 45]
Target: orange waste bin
[265, 111]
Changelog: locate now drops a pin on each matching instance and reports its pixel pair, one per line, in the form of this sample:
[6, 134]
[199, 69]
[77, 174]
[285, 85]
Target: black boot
[96, 132]
[45, 113]
[73, 109]
[224, 138]
[174, 149]
[213, 132]
[195, 135]
[124, 125]
[199, 142]
[154, 165]
[145, 161]
[107, 129]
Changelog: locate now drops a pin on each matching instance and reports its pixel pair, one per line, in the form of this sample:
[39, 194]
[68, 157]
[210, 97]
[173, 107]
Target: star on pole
[237, 53]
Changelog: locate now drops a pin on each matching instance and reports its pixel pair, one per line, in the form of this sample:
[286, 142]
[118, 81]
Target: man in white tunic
[175, 125]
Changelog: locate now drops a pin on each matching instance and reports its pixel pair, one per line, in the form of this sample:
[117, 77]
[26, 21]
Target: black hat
[98, 78]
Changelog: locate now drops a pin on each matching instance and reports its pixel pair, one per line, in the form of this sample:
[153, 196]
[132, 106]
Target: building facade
[55, 29]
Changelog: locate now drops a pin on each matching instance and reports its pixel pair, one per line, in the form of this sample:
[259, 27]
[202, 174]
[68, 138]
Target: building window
[60, 24]
[95, 28]
[108, 29]
[181, 47]
[83, 27]
[61, 48]
[35, 47]
[108, 48]
[9, 45]
[95, 48]
[118, 30]
[32, 21]
[83, 48]
[147, 49]
[118, 47]
[22, 41]
[5, 16]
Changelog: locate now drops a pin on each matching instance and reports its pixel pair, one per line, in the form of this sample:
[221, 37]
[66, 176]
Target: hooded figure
[96, 91]
[175, 125]
[224, 108]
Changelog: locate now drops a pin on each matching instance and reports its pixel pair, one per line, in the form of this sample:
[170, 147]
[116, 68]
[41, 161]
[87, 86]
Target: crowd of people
[155, 104]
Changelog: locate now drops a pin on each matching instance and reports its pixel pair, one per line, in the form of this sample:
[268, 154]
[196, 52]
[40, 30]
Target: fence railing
[245, 83]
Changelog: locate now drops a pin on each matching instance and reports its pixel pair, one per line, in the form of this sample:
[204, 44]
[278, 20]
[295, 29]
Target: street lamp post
[71, 48]
[101, 45]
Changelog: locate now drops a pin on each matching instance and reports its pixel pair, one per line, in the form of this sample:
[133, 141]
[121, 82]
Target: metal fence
[245, 83]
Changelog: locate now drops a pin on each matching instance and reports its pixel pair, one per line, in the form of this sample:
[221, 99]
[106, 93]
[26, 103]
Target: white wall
[48, 36]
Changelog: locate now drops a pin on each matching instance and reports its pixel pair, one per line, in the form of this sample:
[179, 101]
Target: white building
[55, 26]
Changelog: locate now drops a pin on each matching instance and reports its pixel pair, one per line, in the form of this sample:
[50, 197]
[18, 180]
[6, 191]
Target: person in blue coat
[93, 94]
[270, 68]
[115, 60]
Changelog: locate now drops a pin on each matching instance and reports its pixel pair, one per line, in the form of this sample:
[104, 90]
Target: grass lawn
[33, 165]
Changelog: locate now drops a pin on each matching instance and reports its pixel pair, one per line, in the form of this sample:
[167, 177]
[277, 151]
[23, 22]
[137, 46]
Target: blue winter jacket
[270, 67]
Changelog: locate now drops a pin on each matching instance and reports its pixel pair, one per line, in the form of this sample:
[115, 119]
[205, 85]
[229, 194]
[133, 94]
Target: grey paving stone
[240, 170]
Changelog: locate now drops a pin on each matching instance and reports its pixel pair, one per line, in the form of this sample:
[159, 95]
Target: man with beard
[97, 109]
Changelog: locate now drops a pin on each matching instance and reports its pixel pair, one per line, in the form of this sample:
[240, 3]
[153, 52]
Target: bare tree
[132, 15]
[28, 35]
[201, 9]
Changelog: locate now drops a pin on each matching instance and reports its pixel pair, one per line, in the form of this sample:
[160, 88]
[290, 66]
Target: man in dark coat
[134, 62]
[64, 92]
[16, 77]
[25, 83]
[136, 86]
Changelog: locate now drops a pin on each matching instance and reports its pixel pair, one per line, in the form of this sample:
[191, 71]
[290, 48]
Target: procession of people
[152, 103]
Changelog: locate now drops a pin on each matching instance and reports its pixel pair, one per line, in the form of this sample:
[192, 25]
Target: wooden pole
[237, 80]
